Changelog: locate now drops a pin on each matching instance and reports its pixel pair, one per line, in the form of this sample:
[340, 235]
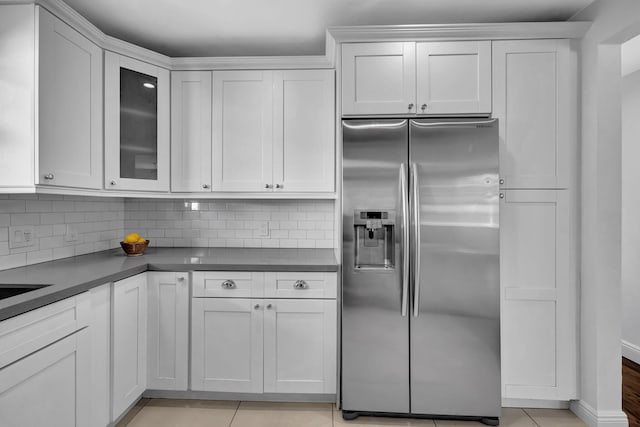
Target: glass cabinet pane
[138, 125]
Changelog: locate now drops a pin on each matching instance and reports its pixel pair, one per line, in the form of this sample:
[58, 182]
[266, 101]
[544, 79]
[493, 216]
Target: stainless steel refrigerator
[420, 278]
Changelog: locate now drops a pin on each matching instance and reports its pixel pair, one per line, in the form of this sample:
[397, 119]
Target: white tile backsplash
[291, 223]
[99, 222]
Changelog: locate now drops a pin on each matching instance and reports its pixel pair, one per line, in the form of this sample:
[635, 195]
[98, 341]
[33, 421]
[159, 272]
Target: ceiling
[289, 27]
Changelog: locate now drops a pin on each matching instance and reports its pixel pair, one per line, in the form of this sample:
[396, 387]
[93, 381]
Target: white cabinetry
[534, 99]
[538, 295]
[191, 131]
[168, 331]
[242, 130]
[423, 78]
[533, 83]
[44, 366]
[270, 344]
[51, 102]
[136, 125]
[129, 342]
[273, 131]
[100, 374]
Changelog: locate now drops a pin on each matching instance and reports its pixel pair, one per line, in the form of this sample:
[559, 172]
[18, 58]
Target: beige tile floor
[197, 413]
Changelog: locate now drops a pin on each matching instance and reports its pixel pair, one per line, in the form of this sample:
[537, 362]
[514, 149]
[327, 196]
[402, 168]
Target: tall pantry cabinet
[534, 87]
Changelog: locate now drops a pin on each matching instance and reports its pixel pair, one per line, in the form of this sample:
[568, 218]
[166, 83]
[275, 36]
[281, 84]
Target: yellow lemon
[142, 240]
[131, 238]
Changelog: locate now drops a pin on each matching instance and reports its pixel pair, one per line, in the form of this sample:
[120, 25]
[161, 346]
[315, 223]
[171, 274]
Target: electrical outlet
[72, 234]
[21, 236]
[264, 229]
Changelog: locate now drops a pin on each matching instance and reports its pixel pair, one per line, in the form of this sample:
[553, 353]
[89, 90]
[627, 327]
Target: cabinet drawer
[300, 285]
[29, 332]
[233, 284]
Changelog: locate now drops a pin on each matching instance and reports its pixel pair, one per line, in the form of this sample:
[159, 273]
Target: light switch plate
[21, 236]
[264, 229]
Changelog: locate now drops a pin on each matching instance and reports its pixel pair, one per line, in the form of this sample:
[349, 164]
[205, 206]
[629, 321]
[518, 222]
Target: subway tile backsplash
[64, 226]
[101, 222]
[233, 223]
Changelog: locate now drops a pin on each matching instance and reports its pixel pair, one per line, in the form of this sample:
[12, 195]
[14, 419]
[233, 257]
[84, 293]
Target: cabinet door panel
[226, 345]
[129, 355]
[454, 77]
[304, 155]
[531, 96]
[69, 106]
[191, 131]
[49, 387]
[100, 332]
[137, 125]
[537, 274]
[168, 331]
[242, 130]
[378, 78]
[300, 346]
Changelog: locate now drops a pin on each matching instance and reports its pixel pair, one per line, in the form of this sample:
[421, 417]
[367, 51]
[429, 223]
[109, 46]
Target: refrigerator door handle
[415, 204]
[405, 239]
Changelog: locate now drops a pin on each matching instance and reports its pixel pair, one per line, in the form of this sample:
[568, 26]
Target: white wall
[631, 212]
[614, 22]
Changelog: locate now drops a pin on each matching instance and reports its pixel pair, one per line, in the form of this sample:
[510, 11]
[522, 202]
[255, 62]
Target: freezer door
[375, 334]
[455, 319]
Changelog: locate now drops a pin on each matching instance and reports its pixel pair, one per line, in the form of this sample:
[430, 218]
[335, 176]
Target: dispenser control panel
[374, 231]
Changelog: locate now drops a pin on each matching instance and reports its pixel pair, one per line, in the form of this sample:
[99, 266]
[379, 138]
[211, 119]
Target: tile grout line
[234, 414]
[529, 415]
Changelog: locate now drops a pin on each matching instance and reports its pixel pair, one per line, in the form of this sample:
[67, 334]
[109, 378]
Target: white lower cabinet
[300, 346]
[50, 387]
[168, 331]
[129, 342]
[45, 361]
[100, 374]
[264, 345]
[538, 303]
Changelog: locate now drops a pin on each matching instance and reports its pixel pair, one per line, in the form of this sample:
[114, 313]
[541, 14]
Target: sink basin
[7, 291]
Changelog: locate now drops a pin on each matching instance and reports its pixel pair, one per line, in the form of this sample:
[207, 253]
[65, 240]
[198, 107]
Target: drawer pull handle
[300, 284]
[228, 284]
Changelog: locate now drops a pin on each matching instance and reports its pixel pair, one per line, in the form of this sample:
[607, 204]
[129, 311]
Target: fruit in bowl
[134, 244]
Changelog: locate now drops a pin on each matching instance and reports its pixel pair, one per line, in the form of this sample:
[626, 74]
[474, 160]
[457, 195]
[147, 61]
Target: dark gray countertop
[71, 276]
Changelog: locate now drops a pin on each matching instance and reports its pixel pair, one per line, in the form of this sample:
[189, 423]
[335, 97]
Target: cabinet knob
[269, 306]
[410, 107]
[501, 181]
[502, 195]
[180, 278]
[112, 182]
[49, 176]
[267, 186]
[257, 306]
[205, 186]
[423, 107]
[300, 284]
[279, 186]
[228, 284]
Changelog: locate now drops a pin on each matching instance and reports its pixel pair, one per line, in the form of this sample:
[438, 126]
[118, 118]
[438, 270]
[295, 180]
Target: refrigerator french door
[420, 303]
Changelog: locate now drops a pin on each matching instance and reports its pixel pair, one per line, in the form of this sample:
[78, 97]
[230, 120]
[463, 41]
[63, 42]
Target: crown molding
[136, 52]
[72, 18]
[250, 63]
[439, 32]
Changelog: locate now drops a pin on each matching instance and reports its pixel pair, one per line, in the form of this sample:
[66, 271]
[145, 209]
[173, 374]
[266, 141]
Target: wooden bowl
[134, 249]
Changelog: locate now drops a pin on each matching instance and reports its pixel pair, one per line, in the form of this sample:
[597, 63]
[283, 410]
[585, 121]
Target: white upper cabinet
[453, 77]
[70, 106]
[273, 131]
[242, 130]
[416, 78]
[303, 128]
[534, 100]
[136, 125]
[378, 78]
[191, 131]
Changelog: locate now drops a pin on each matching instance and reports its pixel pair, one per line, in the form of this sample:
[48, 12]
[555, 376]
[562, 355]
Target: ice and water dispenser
[374, 235]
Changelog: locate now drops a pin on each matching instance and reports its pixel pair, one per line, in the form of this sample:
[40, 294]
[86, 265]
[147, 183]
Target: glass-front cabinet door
[136, 125]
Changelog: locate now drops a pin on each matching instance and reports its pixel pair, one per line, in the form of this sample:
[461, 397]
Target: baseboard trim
[595, 418]
[631, 351]
[255, 397]
[508, 402]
